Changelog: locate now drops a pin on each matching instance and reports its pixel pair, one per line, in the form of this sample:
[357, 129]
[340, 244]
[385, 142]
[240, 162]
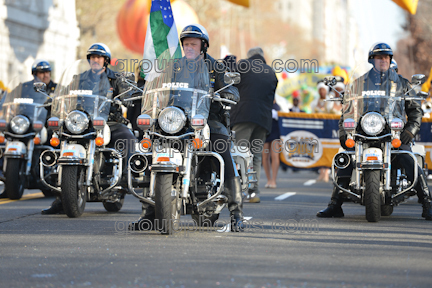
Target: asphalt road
[284, 245]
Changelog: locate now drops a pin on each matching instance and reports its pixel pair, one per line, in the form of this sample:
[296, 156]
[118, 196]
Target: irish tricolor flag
[161, 40]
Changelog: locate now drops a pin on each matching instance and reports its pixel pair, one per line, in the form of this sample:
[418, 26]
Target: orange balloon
[120, 26]
[130, 26]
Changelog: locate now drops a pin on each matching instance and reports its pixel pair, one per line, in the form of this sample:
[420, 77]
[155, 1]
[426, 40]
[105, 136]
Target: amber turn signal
[36, 140]
[99, 141]
[197, 143]
[349, 143]
[55, 142]
[146, 143]
[396, 143]
[2, 139]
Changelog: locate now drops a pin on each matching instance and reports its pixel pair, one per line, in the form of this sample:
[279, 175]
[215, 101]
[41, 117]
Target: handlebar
[220, 99]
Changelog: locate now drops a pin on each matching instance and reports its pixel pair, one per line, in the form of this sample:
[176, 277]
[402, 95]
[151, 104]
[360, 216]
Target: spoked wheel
[74, 192]
[372, 195]
[15, 178]
[167, 204]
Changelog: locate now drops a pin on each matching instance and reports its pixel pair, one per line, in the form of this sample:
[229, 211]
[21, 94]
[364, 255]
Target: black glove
[342, 140]
[228, 96]
[406, 137]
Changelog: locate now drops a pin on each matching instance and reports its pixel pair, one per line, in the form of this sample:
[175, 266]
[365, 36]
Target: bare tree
[414, 52]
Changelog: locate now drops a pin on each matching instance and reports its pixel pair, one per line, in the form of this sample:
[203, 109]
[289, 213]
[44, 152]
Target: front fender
[72, 153]
[15, 149]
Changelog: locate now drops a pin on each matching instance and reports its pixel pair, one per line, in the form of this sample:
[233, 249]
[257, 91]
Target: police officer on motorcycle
[41, 71]
[380, 55]
[195, 41]
[99, 56]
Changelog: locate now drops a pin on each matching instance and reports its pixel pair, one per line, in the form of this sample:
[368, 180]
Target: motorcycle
[373, 120]
[22, 129]
[88, 170]
[174, 165]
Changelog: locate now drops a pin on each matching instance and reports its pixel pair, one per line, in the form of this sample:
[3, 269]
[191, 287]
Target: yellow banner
[244, 3]
[408, 5]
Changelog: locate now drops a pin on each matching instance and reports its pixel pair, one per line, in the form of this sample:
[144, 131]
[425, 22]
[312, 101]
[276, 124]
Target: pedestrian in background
[325, 107]
[230, 61]
[271, 152]
[322, 106]
[251, 118]
[296, 103]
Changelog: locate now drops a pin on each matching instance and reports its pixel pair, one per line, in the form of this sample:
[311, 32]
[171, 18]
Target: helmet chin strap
[203, 47]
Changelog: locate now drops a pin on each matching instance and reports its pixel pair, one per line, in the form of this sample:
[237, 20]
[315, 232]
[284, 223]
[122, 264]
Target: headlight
[172, 120]
[20, 124]
[372, 123]
[76, 122]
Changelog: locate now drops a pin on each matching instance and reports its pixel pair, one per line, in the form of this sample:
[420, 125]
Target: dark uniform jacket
[381, 81]
[257, 91]
[100, 84]
[217, 118]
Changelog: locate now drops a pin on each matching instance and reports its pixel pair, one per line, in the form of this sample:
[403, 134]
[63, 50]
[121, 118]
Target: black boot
[146, 220]
[427, 210]
[232, 190]
[424, 196]
[334, 209]
[56, 208]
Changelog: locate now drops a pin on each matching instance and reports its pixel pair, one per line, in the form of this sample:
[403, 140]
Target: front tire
[15, 178]
[203, 220]
[167, 210]
[74, 193]
[372, 195]
[386, 210]
[113, 206]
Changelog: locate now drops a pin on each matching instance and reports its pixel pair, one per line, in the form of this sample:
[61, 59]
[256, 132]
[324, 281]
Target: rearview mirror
[330, 80]
[39, 87]
[423, 94]
[230, 77]
[418, 79]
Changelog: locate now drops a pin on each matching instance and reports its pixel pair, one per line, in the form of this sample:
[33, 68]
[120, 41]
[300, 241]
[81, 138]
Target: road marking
[284, 196]
[309, 182]
[25, 197]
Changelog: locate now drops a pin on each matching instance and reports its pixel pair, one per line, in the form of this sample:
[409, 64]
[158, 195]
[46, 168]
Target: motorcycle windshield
[22, 99]
[80, 88]
[374, 91]
[181, 83]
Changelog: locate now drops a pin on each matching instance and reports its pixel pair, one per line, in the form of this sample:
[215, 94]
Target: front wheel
[113, 206]
[74, 192]
[167, 210]
[372, 195]
[15, 178]
[386, 210]
[204, 220]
